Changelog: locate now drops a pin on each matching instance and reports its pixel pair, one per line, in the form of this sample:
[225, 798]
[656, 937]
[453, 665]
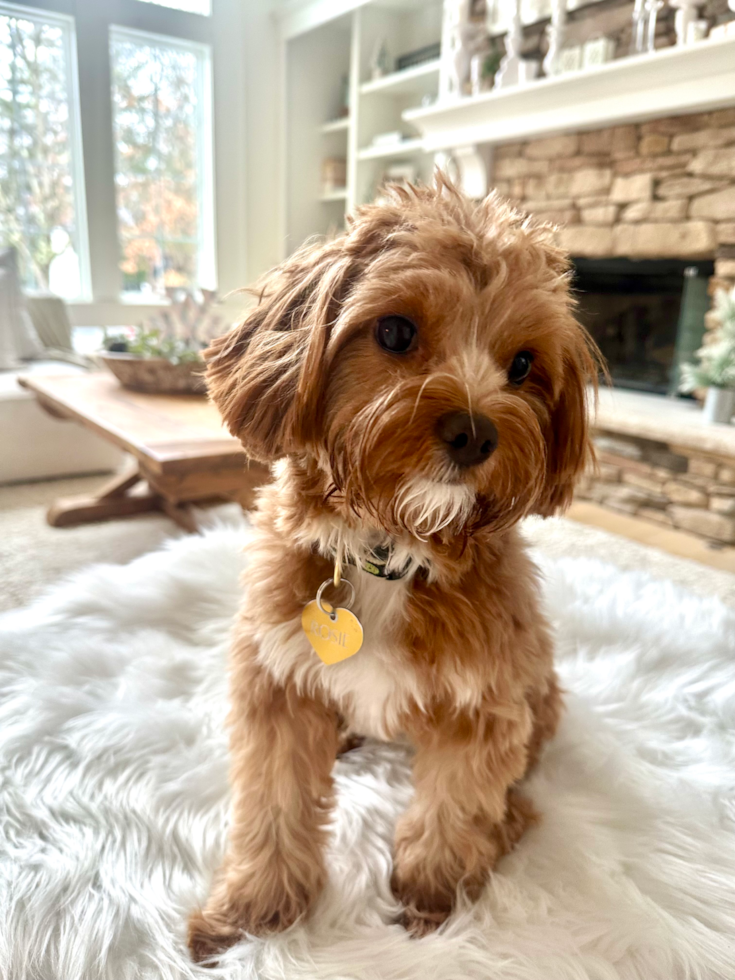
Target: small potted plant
[164, 354]
[715, 369]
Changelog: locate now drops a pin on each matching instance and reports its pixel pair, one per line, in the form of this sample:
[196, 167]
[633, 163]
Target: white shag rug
[113, 793]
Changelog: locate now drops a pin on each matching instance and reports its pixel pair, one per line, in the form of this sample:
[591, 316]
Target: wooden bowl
[156, 375]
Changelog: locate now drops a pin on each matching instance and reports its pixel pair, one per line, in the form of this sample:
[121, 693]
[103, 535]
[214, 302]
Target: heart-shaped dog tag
[335, 634]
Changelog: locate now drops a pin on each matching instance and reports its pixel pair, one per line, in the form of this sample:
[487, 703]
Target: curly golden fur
[457, 655]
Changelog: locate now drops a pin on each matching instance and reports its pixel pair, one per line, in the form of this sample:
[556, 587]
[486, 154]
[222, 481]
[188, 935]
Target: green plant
[716, 360]
[179, 333]
[491, 63]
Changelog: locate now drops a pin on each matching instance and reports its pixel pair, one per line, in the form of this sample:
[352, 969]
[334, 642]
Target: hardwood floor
[667, 539]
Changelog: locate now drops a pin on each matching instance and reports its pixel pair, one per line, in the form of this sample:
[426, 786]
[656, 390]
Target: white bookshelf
[321, 44]
[418, 81]
[338, 194]
[409, 147]
[336, 125]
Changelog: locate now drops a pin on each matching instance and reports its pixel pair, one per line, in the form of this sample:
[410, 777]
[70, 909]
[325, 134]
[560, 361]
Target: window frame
[39, 14]
[207, 235]
[171, 4]
[224, 30]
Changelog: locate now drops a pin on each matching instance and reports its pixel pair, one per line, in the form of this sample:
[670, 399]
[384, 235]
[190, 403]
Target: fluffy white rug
[113, 793]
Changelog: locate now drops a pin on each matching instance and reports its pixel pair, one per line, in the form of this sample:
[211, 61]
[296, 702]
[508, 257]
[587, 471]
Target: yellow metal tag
[335, 634]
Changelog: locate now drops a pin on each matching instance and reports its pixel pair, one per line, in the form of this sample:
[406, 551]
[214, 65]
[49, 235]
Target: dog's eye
[520, 368]
[396, 334]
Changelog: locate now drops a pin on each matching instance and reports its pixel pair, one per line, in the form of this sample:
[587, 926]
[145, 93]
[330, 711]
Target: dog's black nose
[470, 439]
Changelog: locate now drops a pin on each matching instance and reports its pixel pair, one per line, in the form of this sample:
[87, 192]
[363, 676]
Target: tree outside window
[41, 203]
[160, 119]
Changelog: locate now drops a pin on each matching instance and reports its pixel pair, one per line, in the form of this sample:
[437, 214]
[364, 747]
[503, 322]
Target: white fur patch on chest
[372, 688]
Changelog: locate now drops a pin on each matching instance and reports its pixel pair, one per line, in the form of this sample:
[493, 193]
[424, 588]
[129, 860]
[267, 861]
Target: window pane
[163, 172]
[190, 6]
[40, 199]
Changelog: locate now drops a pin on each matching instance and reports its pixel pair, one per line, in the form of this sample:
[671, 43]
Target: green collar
[377, 562]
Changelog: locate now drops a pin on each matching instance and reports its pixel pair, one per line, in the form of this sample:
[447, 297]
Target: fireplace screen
[646, 316]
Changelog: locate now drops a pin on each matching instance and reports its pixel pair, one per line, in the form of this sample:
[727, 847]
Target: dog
[419, 385]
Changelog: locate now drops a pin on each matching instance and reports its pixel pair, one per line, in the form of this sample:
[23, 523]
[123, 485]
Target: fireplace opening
[647, 317]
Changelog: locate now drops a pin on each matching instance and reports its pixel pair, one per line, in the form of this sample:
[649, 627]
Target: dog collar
[376, 564]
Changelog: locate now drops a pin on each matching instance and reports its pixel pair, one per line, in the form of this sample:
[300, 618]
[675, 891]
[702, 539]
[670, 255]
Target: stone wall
[664, 483]
[659, 189]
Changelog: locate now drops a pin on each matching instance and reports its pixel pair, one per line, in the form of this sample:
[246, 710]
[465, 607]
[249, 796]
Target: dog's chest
[376, 685]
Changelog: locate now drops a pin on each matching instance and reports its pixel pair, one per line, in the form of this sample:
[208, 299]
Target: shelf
[419, 81]
[335, 125]
[404, 148]
[673, 81]
[340, 194]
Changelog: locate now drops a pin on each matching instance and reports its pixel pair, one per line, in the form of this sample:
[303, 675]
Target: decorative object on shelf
[638, 35]
[697, 31]
[484, 67]
[461, 39]
[686, 14]
[387, 139]
[334, 174]
[476, 76]
[570, 59]
[555, 35]
[528, 69]
[431, 52]
[508, 73]
[715, 369]
[719, 405]
[652, 8]
[163, 355]
[380, 61]
[597, 51]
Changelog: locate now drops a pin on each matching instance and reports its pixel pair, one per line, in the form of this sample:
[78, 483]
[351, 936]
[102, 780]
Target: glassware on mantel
[645, 13]
[637, 39]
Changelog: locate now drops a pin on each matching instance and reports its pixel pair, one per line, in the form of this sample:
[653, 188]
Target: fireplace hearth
[646, 316]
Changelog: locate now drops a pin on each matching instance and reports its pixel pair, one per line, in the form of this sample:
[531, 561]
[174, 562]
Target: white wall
[264, 154]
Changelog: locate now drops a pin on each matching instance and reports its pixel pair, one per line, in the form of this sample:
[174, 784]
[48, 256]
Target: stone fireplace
[647, 316]
[647, 212]
[663, 189]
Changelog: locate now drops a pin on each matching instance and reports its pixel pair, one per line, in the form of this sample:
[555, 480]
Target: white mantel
[672, 81]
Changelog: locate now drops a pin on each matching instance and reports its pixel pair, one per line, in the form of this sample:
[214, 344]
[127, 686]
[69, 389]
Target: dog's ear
[267, 374]
[569, 448]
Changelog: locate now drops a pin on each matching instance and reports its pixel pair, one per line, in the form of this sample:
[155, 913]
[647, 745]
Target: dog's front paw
[425, 908]
[422, 922]
[223, 922]
[210, 933]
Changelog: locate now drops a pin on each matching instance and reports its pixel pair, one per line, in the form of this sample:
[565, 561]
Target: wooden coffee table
[182, 452]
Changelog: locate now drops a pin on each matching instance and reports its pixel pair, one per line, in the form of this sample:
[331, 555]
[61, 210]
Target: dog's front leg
[283, 746]
[449, 836]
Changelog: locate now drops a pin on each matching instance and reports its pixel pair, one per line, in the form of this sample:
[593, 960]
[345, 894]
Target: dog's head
[428, 360]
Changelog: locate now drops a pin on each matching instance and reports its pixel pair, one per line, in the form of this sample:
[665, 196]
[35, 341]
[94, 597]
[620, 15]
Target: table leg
[112, 500]
[180, 514]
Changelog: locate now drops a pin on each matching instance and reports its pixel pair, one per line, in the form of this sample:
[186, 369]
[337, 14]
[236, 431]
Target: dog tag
[334, 633]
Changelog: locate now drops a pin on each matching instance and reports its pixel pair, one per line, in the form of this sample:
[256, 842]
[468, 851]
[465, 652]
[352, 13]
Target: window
[163, 166]
[190, 6]
[41, 185]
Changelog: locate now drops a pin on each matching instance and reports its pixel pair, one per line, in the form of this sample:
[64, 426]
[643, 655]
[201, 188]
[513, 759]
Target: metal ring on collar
[345, 605]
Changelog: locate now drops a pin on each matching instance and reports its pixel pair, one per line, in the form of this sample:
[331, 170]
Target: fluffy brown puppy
[420, 384]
